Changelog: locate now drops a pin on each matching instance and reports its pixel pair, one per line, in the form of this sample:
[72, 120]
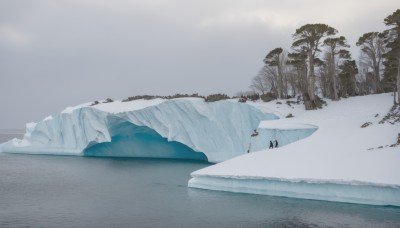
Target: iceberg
[179, 128]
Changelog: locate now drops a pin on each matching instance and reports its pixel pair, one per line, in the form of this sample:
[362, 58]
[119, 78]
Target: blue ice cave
[130, 140]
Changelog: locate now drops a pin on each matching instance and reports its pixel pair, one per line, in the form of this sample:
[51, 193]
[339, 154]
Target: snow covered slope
[340, 162]
[178, 128]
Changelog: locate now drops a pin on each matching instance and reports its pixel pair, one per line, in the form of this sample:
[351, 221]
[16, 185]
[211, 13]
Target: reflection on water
[62, 191]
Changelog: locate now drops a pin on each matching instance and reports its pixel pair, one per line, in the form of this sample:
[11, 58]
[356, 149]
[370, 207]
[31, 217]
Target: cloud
[292, 14]
[270, 18]
[11, 35]
[60, 53]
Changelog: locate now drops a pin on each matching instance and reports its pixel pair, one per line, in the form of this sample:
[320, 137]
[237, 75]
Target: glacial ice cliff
[179, 128]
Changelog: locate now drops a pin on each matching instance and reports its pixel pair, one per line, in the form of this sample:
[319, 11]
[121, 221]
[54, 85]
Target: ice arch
[221, 130]
[130, 140]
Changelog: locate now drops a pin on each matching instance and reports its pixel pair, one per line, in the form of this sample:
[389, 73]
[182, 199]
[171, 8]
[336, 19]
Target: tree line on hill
[209, 98]
[320, 63]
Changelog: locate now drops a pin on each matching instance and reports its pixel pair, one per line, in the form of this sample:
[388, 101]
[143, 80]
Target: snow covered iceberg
[340, 162]
[179, 128]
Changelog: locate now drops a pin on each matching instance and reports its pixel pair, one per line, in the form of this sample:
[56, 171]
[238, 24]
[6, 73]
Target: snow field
[337, 153]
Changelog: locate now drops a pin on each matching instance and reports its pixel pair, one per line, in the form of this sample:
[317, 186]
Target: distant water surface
[63, 191]
[8, 134]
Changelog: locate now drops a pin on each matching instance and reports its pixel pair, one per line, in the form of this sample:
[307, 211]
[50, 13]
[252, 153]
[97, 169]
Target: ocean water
[66, 191]
[5, 136]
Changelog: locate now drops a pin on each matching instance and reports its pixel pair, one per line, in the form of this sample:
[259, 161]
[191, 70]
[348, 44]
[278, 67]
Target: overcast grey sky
[59, 53]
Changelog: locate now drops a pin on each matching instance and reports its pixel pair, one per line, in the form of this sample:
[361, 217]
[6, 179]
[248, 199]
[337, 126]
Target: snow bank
[220, 130]
[340, 158]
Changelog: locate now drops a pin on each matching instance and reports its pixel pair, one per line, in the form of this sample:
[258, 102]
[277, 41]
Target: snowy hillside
[179, 128]
[341, 161]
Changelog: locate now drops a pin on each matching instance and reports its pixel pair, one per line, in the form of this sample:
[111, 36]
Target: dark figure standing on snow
[276, 143]
[271, 145]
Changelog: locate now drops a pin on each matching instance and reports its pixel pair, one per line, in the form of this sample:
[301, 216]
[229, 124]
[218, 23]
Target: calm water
[4, 137]
[62, 191]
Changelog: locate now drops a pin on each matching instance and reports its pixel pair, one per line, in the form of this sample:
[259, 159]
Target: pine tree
[348, 71]
[308, 38]
[274, 59]
[392, 62]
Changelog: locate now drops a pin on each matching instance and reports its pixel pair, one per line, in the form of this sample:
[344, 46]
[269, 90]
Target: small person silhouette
[248, 150]
[276, 143]
[271, 145]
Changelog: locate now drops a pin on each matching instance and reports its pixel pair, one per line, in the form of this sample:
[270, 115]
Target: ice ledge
[337, 191]
[298, 180]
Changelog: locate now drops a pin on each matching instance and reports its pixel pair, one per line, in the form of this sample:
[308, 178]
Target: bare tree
[325, 78]
[259, 83]
[372, 48]
[335, 47]
[265, 81]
